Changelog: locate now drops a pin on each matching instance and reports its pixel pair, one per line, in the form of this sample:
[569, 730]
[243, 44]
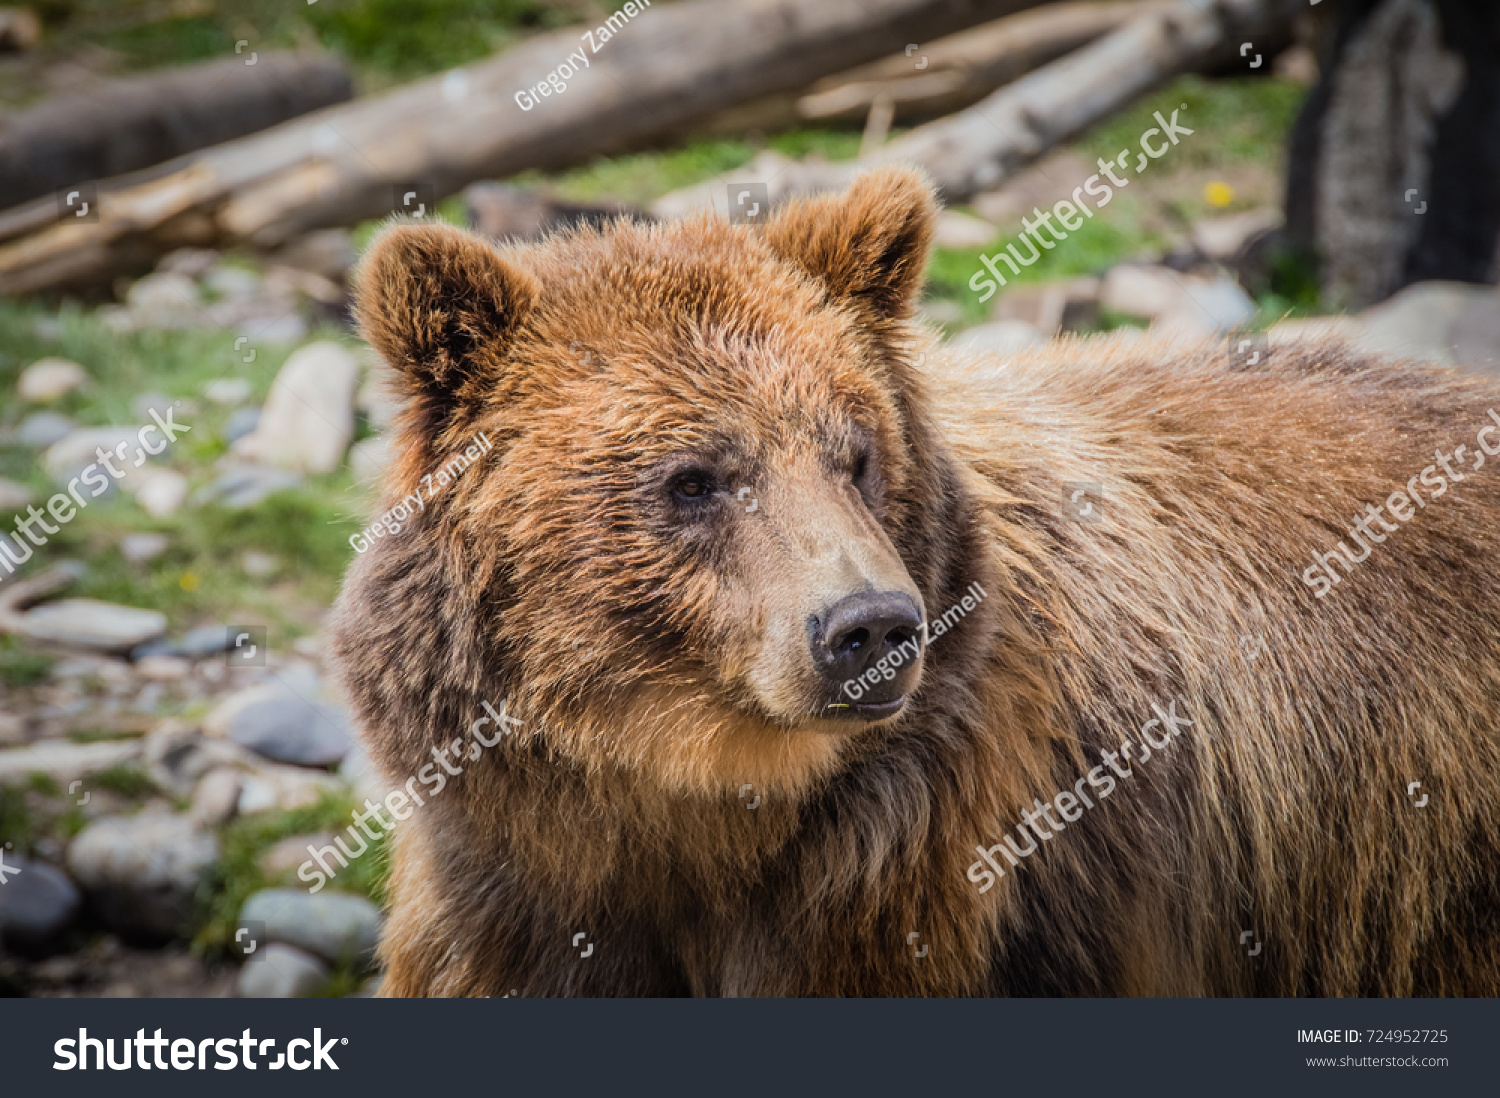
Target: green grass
[19, 825]
[199, 578]
[126, 780]
[1235, 120]
[20, 666]
[1098, 245]
[404, 38]
[385, 40]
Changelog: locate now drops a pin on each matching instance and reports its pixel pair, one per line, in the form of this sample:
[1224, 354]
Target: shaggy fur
[658, 651]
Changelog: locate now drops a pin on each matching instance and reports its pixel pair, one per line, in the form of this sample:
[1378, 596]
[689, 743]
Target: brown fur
[659, 663]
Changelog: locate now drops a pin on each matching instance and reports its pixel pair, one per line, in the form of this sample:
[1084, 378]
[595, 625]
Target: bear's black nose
[871, 639]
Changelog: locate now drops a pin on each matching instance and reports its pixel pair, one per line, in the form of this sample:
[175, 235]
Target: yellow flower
[1218, 195]
[189, 581]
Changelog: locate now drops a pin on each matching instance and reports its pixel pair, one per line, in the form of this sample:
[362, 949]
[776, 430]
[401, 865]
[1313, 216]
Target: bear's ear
[868, 245]
[440, 305]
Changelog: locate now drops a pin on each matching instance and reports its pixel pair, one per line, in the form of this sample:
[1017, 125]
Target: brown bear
[831, 660]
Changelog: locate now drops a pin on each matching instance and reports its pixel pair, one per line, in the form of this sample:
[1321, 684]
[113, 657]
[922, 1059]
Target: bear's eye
[692, 486]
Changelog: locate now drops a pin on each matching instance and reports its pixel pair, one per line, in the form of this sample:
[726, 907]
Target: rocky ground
[157, 779]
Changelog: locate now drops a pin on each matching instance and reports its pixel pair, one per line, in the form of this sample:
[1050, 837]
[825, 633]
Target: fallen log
[980, 147]
[954, 72]
[646, 71]
[133, 122]
[939, 77]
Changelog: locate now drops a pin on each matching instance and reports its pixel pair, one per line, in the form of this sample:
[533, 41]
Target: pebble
[230, 391]
[369, 457]
[41, 429]
[160, 492]
[308, 419]
[258, 565]
[217, 797]
[336, 926]
[288, 728]
[143, 548]
[999, 337]
[163, 668]
[279, 971]
[241, 422]
[142, 873]
[37, 904]
[146, 403]
[50, 379]
[1176, 301]
[178, 756]
[958, 230]
[69, 456]
[281, 860]
[89, 623]
[13, 496]
[242, 486]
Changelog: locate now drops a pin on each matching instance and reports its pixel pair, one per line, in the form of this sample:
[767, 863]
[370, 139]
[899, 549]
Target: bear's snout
[868, 648]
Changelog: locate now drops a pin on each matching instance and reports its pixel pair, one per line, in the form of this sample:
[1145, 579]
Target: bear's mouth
[864, 711]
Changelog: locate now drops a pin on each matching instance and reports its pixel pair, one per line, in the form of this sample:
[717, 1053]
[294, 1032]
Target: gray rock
[160, 492]
[37, 905]
[41, 429]
[308, 420]
[146, 403]
[368, 458]
[940, 312]
[258, 565]
[142, 548]
[217, 797]
[361, 776]
[142, 873]
[69, 456]
[13, 556]
[958, 230]
[89, 623]
[1451, 323]
[999, 337]
[230, 391]
[286, 727]
[165, 294]
[379, 397]
[282, 972]
[285, 787]
[1188, 303]
[242, 486]
[191, 262]
[241, 422]
[205, 640]
[63, 761]
[50, 379]
[1223, 238]
[163, 668]
[235, 283]
[177, 756]
[336, 926]
[281, 860]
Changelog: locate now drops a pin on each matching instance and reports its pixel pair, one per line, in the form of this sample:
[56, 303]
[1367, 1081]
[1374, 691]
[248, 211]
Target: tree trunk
[133, 122]
[1395, 157]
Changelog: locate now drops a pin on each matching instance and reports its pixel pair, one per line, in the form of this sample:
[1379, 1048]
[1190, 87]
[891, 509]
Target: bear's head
[715, 514]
